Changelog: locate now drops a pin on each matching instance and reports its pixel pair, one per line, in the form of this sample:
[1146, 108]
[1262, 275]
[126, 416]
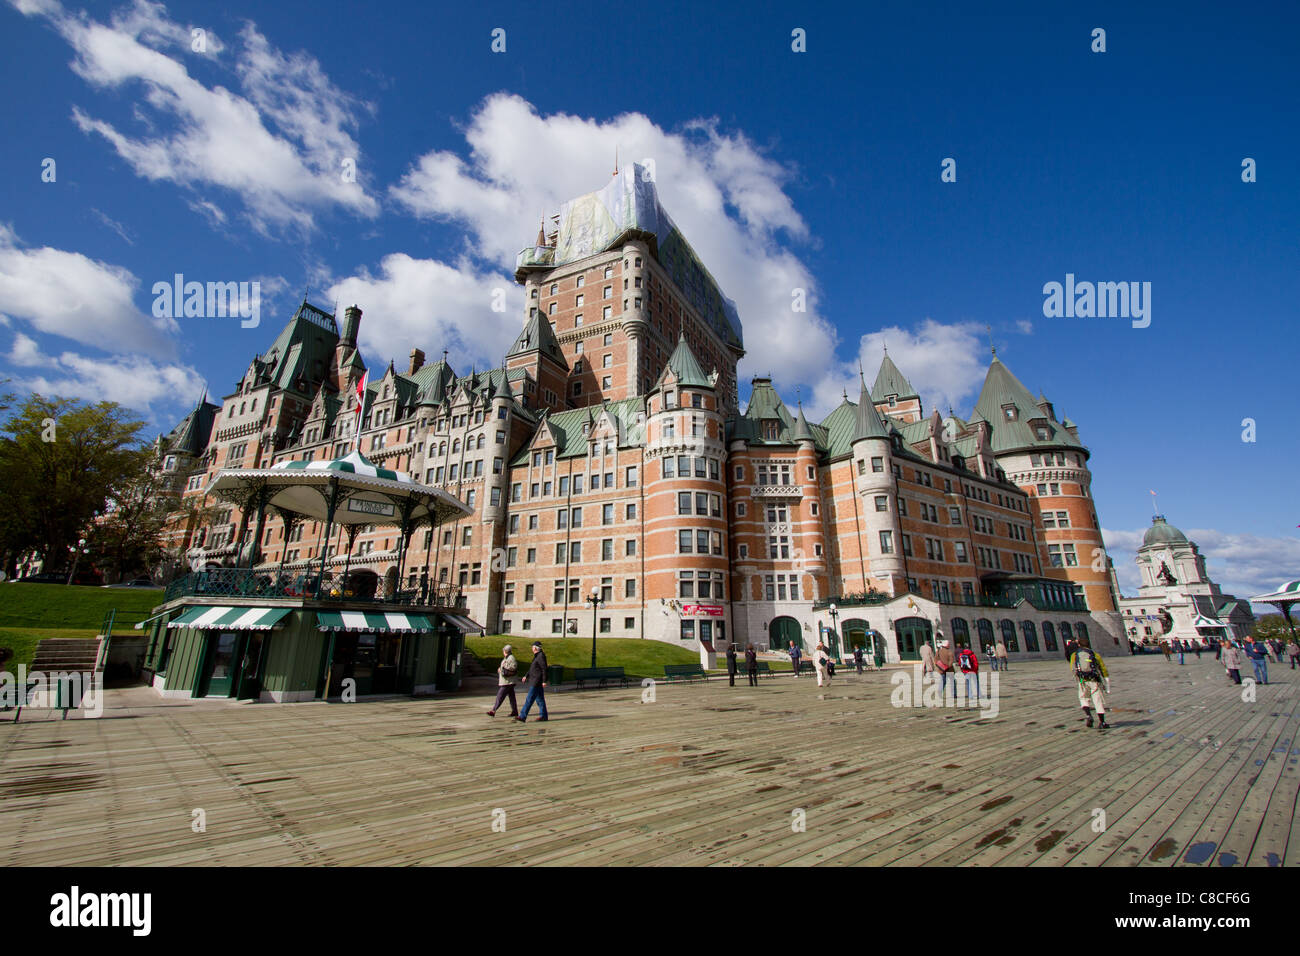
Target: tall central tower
[619, 285]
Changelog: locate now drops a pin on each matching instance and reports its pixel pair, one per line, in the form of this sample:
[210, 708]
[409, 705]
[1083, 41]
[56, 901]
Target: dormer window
[670, 399]
[771, 429]
[893, 400]
[1010, 412]
[1043, 434]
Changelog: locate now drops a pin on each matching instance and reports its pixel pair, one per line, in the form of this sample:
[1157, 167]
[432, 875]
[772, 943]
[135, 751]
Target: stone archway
[782, 631]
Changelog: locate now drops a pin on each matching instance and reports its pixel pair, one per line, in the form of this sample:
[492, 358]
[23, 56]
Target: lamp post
[835, 630]
[77, 550]
[594, 600]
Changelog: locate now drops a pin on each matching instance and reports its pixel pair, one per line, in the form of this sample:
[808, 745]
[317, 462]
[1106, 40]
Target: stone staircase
[55, 654]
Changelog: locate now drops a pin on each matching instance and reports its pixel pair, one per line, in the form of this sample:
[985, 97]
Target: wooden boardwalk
[705, 774]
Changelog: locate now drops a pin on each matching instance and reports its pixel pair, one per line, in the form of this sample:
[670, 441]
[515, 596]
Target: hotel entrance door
[370, 660]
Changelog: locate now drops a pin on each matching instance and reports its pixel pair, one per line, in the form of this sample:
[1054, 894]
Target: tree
[127, 539]
[61, 463]
[1272, 627]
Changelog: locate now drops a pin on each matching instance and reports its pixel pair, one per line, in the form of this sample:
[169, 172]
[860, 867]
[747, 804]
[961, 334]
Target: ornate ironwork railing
[852, 600]
[358, 587]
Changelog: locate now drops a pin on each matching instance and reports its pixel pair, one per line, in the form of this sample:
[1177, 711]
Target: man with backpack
[1090, 671]
[969, 663]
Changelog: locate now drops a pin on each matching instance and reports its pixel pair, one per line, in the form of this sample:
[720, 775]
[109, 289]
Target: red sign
[703, 610]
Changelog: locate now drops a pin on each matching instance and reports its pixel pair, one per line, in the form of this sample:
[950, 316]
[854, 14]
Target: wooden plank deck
[705, 775]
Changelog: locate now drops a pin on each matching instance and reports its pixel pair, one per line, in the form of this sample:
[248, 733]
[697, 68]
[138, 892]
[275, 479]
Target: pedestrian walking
[969, 663]
[993, 658]
[1218, 650]
[506, 682]
[1258, 655]
[1293, 651]
[1277, 650]
[795, 654]
[1002, 656]
[1232, 661]
[1090, 673]
[944, 664]
[536, 681]
[857, 657]
[1182, 651]
[731, 665]
[1164, 649]
[751, 665]
[820, 660]
[927, 660]
[1197, 648]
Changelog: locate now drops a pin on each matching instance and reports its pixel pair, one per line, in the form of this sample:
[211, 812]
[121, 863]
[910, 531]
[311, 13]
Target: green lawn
[30, 612]
[60, 606]
[638, 658]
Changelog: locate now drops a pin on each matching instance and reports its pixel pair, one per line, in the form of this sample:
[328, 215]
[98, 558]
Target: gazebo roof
[367, 494]
[1288, 593]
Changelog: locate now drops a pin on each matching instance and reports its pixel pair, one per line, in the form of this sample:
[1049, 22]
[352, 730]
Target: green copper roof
[1002, 390]
[304, 349]
[538, 336]
[686, 367]
[839, 426]
[801, 430]
[191, 436]
[567, 427]
[867, 423]
[890, 381]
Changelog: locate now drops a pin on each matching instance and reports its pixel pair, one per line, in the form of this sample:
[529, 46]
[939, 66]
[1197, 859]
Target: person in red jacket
[969, 663]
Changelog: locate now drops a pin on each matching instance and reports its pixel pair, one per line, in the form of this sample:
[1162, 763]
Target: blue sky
[817, 170]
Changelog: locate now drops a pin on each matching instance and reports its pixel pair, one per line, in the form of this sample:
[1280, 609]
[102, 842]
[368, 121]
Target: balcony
[853, 600]
[360, 588]
[777, 491]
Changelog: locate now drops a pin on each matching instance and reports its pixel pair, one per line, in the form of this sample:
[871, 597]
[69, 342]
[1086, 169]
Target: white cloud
[280, 148]
[946, 364]
[135, 381]
[421, 303]
[1025, 326]
[68, 294]
[727, 197]
[1241, 564]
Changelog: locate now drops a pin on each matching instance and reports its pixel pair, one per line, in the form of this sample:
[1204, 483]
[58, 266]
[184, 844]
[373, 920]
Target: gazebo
[349, 492]
[252, 632]
[1284, 599]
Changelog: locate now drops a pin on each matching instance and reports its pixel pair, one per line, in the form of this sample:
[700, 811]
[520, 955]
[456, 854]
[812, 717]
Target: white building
[1177, 599]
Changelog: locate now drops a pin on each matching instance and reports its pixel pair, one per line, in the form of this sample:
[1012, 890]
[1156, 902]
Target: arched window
[1049, 636]
[1031, 635]
[481, 439]
[960, 632]
[455, 446]
[985, 629]
[1008, 628]
[1081, 630]
[1067, 634]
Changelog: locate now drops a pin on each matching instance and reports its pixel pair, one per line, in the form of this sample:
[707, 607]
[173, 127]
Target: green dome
[1161, 532]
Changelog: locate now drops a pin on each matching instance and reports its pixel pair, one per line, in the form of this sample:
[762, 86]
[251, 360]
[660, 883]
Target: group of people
[1234, 654]
[946, 664]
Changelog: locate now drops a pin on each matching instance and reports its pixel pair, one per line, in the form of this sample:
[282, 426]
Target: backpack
[1085, 664]
[968, 660]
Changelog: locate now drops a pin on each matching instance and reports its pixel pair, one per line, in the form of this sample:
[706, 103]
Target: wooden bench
[763, 669]
[601, 674]
[687, 672]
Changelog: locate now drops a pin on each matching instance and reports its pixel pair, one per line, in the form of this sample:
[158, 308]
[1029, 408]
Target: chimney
[351, 324]
[417, 361]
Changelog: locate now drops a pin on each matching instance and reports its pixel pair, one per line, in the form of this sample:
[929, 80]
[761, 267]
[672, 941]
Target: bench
[684, 671]
[763, 669]
[601, 674]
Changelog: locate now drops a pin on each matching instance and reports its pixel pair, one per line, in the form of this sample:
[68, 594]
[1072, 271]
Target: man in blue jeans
[1258, 659]
[536, 681]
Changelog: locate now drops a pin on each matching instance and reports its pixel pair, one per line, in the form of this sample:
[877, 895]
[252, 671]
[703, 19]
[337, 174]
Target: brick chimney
[417, 361]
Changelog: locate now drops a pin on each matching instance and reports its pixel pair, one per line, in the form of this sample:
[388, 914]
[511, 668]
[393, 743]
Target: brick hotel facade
[609, 452]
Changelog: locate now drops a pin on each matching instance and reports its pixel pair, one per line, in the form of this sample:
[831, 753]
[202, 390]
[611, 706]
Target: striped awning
[462, 624]
[354, 464]
[390, 621]
[232, 618]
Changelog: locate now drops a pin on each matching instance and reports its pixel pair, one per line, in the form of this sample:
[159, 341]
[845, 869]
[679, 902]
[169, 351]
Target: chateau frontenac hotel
[609, 453]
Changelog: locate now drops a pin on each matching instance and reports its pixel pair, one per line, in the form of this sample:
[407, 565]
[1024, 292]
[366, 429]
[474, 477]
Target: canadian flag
[361, 398]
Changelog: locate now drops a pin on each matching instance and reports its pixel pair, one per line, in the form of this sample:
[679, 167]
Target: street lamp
[835, 630]
[594, 600]
[77, 550]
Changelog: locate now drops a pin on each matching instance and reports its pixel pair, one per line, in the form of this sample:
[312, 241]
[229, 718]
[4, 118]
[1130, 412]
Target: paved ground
[705, 774]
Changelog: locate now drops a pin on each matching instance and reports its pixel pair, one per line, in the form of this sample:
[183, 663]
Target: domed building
[1177, 599]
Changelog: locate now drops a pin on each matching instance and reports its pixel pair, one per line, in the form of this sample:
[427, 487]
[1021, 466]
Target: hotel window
[559, 594]
[562, 519]
[582, 280]
[744, 551]
[954, 515]
[532, 522]
[630, 479]
[577, 300]
[960, 547]
[688, 630]
[683, 542]
[606, 382]
[629, 590]
[629, 547]
[607, 361]
[669, 469]
[559, 553]
[740, 509]
[702, 542]
[577, 347]
[607, 514]
[577, 517]
[607, 292]
[699, 467]
[606, 313]
[886, 542]
[509, 597]
[740, 473]
[577, 484]
[902, 507]
[882, 502]
[607, 549]
[575, 552]
[531, 557]
[550, 310]
[907, 546]
[609, 338]
[557, 626]
[701, 503]
[515, 492]
[496, 496]
[685, 588]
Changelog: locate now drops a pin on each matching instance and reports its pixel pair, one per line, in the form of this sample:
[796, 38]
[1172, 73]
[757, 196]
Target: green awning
[390, 621]
[232, 618]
